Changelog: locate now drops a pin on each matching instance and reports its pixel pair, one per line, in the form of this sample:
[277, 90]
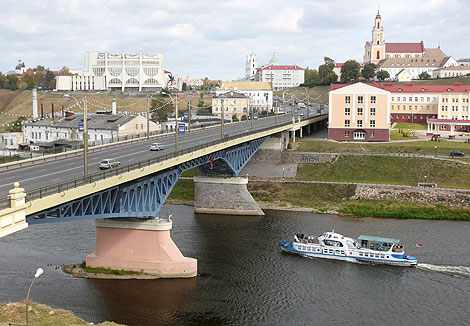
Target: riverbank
[39, 314]
[81, 271]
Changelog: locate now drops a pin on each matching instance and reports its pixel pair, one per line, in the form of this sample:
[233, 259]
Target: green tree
[424, 75]
[49, 78]
[350, 71]
[368, 72]
[16, 125]
[184, 87]
[39, 80]
[3, 81]
[39, 68]
[12, 81]
[331, 78]
[382, 75]
[160, 111]
[326, 68]
[29, 80]
[312, 77]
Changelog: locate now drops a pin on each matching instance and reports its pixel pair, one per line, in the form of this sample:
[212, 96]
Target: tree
[39, 68]
[312, 77]
[382, 75]
[424, 75]
[326, 68]
[12, 81]
[29, 80]
[49, 78]
[65, 70]
[160, 113]
[16, 125]
[368, 72]
[331, 78]
[3, 81]
[350, 71]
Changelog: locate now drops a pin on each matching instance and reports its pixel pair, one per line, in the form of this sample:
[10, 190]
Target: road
[54, 172]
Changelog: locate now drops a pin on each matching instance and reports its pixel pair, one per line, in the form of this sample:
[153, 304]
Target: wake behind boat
[366, 249]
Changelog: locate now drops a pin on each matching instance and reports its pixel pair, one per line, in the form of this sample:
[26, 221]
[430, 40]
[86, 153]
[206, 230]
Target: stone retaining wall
[276, 156]
[415, 194]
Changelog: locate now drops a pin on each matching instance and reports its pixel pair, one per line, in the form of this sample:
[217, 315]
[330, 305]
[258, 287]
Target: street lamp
[435, 151]
[176, 119]
[222, 117]
[148, 116]
[85, 133]
[39, 272]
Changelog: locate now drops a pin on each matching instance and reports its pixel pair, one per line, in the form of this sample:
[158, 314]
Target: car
[108, 164]
[457, 153]
[156, 147]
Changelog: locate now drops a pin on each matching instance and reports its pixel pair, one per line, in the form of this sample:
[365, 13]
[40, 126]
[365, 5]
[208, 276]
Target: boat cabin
[379, 244]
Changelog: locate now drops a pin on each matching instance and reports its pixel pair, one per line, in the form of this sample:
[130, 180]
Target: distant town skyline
[212, 38]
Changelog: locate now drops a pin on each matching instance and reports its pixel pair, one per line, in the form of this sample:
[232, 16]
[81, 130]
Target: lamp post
[222, 117]
[176, 119]
[251, 114]
[85, 133]
[39, 272]
[435, 151]
[148, 117]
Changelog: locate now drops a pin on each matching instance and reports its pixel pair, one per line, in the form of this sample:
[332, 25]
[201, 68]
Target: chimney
[42, 112]
[114, 106]
[35, 103]
[52, 111]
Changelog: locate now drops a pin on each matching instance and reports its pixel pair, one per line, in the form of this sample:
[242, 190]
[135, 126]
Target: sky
[211, 38]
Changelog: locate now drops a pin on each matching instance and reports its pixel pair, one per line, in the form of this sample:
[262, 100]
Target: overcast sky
[212, 37]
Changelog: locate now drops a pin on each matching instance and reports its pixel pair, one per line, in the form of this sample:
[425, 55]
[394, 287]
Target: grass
[316, 94]
[99, 270]
[40, 315]
[403, 209]
[388, 170]
[411, 126]
[414, 147]
[183, 190]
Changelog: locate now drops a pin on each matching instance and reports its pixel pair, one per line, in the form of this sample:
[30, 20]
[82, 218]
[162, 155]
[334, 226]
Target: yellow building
[403, 76]
[358, 112]
[259, 93]
[233, 104]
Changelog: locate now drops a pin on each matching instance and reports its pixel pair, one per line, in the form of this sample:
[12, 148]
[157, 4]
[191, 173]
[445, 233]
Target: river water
[245, 279]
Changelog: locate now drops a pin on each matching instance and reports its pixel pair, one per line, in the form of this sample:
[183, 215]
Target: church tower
[375, 50]
[250, 65]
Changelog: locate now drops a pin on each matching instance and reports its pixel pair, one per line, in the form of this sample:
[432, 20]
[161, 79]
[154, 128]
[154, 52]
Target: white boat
[366, 249]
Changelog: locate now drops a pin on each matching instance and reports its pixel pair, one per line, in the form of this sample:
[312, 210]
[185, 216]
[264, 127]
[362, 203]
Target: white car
[156, 147]
[108, 164]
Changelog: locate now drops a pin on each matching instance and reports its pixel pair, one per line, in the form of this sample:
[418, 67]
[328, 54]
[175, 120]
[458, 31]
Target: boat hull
[287, 247]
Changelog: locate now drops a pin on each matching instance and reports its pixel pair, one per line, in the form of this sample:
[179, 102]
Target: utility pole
[189, 115]
[251, 112]
[85, 139]
[176, 124]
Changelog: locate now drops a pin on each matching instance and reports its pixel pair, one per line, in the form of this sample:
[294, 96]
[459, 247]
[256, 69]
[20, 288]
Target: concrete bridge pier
[141, 245]
[224, 196]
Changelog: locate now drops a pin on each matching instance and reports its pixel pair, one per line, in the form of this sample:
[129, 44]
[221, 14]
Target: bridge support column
[225, 196]
[293, 136]
[135, 244]
[308, 129]
[301, 131]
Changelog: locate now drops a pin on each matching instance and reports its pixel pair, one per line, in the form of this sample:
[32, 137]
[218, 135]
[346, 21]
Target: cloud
[211, 38]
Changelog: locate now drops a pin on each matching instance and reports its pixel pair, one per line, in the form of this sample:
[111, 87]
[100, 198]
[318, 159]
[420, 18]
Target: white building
[280, 76]
[250, 65]
[10, 140]
[20, 68]
[118, 72]
[260, 93]
[454, 71]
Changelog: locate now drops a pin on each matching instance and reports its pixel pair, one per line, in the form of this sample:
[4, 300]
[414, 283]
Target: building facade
[448, 72]
[260, 94]
[358, 112]
[280, 76]
[10, 140]
[234, 104]
[250, 66]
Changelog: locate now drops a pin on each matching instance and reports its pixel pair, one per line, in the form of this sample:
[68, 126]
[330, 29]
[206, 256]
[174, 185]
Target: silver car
[108, 164]
[156, 147]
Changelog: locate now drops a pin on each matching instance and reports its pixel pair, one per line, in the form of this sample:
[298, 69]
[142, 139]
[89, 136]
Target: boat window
[361, 254]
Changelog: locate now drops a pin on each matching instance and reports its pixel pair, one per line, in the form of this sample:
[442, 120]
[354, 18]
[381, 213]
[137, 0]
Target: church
[396, 57]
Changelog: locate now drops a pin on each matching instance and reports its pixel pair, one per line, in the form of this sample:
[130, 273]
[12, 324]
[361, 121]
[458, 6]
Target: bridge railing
[77, 182]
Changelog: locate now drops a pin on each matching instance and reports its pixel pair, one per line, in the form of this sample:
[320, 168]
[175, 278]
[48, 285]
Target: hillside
[20, 103]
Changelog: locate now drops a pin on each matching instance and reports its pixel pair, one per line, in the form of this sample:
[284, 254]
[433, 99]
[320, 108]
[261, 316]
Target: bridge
[125, 201]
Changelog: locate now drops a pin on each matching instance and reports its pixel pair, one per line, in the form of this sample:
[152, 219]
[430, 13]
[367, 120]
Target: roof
[404, 47]
[230, 95]
[99, 121]
[412, 88]
[378, 239]
[358, 88]
[280, 67]
[412, 62]
[246, 86]
[403, 71]
[455, 68]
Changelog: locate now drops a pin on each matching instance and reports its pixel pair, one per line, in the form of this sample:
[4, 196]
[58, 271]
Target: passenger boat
[366, 249]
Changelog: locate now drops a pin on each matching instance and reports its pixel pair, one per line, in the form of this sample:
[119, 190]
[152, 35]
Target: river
[245, 279]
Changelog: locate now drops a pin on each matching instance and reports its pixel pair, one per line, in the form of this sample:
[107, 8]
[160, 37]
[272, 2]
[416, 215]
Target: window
[359, 123]
[409, 108]
[346, 134]
[372, 99]
[347, 99]
[372, 123]
[347, 111]
[141, 126]
[136, 126]
[410, 99]
[416, 99]
[360, 99]
[372, 134]
[372, 110]
[392, 107]
[359, 111]
[347, 123]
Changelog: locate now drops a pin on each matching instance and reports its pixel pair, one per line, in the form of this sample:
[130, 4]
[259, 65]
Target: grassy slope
[415, 147]
[314, 92]
[388, 170]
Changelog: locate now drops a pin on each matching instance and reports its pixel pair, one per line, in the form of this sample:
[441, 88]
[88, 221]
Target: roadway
[53, 172]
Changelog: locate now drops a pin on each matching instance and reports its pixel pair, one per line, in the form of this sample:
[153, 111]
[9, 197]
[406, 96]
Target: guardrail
[77, 182]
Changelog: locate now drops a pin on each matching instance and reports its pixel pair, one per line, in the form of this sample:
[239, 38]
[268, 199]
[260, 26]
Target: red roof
[294, 67]
[339, 65]
[412, 88]
[404, 47]
[447, 120]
